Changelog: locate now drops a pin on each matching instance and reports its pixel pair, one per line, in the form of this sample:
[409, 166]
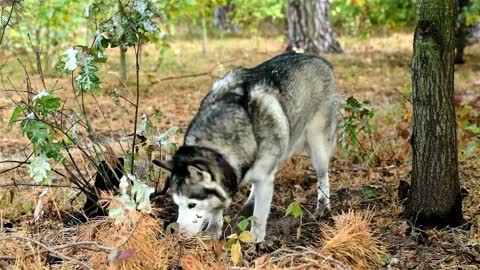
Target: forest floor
[376, 69]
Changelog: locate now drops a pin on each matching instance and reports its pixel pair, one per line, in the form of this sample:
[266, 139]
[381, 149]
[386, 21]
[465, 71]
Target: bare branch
[51, 250]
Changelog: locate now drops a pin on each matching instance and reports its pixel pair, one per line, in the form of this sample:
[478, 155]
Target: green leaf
[87, 80]
[16, 113]
[36, 131]
[27, 206]
[39, 169]
[141, 193]
[227, 219]
[117, 213]
[473, 129]
[53, 150]
[243, 224]
[69, 60]
[294, 209]
[46, 102]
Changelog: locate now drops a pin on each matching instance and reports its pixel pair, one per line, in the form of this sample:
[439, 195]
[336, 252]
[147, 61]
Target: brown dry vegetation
[365, 230]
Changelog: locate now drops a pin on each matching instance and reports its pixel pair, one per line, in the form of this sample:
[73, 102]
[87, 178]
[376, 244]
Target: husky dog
[250, 122]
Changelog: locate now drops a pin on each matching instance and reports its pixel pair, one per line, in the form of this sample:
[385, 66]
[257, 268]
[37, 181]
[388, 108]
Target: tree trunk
[434, 198]
[220, 18]
[123, 60]
[123, 65]
[309, 27]
[205, 36]
[461, 33]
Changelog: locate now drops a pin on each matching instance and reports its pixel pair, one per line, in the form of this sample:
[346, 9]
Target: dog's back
[303, 85]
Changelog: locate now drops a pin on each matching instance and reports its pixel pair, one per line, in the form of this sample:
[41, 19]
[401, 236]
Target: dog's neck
[231, 178]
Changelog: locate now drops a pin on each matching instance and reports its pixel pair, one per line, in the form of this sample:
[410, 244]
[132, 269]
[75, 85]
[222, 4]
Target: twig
[19, 164]
[4, 26]
[39, 61]
[50, 250]
[36, 185]
[183, 76]
[137, 68]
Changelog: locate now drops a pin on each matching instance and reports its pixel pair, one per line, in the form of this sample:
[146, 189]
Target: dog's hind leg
[321, 138]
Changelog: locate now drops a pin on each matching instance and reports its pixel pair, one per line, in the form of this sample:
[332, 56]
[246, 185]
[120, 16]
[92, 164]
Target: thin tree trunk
[123, 61]
[309, 27]
[123, 65]
[220, 18]
[205, 36]
[434, 198]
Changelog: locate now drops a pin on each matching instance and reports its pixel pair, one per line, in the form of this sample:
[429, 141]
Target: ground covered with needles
[364, 230]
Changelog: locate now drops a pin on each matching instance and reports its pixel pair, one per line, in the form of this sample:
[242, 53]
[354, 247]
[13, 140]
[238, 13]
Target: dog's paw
[321, 211]
[258, 231]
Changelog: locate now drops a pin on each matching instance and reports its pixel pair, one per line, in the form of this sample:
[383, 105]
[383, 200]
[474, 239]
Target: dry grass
[351, 241]
[349, 244]
[138, 234]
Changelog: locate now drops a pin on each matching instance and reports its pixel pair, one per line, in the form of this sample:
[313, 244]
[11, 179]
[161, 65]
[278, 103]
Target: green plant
[295, 210]
[471, 13]
[55, 131]
[250, 13]
[47, 24]
[234, 241]
[468, 128]
[361, 16]
[355, 126]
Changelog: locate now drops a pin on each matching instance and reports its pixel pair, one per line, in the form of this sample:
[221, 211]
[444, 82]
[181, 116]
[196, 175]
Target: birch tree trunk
[310, 28]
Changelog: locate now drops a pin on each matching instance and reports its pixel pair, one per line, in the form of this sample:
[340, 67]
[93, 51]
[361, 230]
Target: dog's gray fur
[251, 121]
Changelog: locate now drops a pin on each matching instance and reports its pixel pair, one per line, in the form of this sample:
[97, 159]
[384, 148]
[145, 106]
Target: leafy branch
[6, 20]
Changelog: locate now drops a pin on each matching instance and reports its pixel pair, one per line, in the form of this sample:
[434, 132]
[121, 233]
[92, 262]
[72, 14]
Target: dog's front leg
[215, 226]
[263, 200]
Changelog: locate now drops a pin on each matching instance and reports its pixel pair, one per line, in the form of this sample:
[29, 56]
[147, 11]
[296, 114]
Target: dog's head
[197, 190]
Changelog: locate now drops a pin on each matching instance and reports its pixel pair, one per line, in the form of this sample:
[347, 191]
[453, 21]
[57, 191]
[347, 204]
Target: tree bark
[434, 198]
[309, 27]
[220, 18]
[461, 33]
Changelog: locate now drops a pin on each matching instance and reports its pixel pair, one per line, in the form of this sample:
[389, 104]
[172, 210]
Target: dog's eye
[192, 205]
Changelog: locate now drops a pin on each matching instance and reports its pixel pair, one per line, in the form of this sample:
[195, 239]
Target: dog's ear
[166, 165]
[197, 175]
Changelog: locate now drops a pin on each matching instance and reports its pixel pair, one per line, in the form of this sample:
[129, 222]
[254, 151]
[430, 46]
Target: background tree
[461, 33]
[434, 197]
[310, 28]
